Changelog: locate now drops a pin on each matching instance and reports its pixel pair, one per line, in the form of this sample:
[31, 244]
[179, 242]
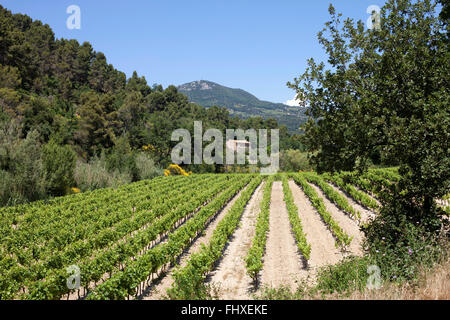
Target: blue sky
[254, 45]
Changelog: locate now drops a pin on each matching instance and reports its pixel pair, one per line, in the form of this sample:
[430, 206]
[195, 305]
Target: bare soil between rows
[283, 265]
[323, 248]
[231, 277]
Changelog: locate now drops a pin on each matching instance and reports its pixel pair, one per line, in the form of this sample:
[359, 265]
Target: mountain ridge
[242, 103]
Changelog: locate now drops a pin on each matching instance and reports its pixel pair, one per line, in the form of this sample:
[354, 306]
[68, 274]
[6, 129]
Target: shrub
[294, 161]
[95, 175]
[22, 177]
[122, 158]
[59, 163]
[347, 275]
[401, 246]
[174, 170]
[146, 168]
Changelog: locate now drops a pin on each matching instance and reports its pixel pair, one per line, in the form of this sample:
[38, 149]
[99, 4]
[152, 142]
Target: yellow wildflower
[75, 190]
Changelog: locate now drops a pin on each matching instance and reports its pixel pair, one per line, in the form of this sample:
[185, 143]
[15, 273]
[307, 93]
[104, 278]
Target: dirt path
[158, 290]
[345, 222]
[366, 215]
[282, 263]
[231, 275]
[323, 249]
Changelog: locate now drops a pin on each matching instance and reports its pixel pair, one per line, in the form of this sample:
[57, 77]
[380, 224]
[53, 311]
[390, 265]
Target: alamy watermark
[74, 20]
[73, 281]
[241, 147]
[374, 21]
[374, 279]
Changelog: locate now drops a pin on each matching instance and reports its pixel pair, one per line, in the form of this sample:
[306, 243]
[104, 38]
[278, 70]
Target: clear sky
[255, 45]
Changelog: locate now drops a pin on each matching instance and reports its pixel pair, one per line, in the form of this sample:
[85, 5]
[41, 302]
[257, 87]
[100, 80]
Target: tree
[59, 164]
[156, 101]
[136, 83]
[83, 62]
[20, 165]
[92, 133]
[103, 77]
[445, 13]
[121, 157]
[9, 102]
[9, 77]
[38, 114]
[387, 89]
[131, 113]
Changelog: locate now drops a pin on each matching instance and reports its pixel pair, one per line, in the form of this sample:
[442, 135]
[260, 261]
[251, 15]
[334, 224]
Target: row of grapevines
[81, 249]
[54, 256]
[44, 209]
[108, 221]
[377, 180]
[110, 260]
[254, 257]
[359, 196]
[15, 265]
[361, 182]
[333, 195]
[18, 273]
[391, 175]
[61, 214]
[296, 224]
[22, 211]
[342, 239]
[188, 280]
[136, 272]
[41, 224]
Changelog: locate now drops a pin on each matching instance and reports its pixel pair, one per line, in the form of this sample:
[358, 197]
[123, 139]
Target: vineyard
[169, 236]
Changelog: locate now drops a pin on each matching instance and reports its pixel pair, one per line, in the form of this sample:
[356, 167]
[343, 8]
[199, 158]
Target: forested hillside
[61, 102]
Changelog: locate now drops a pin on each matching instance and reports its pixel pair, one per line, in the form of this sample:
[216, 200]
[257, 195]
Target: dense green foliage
[293, 160]
[22, 169]
[62, 91]
[386, 91]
